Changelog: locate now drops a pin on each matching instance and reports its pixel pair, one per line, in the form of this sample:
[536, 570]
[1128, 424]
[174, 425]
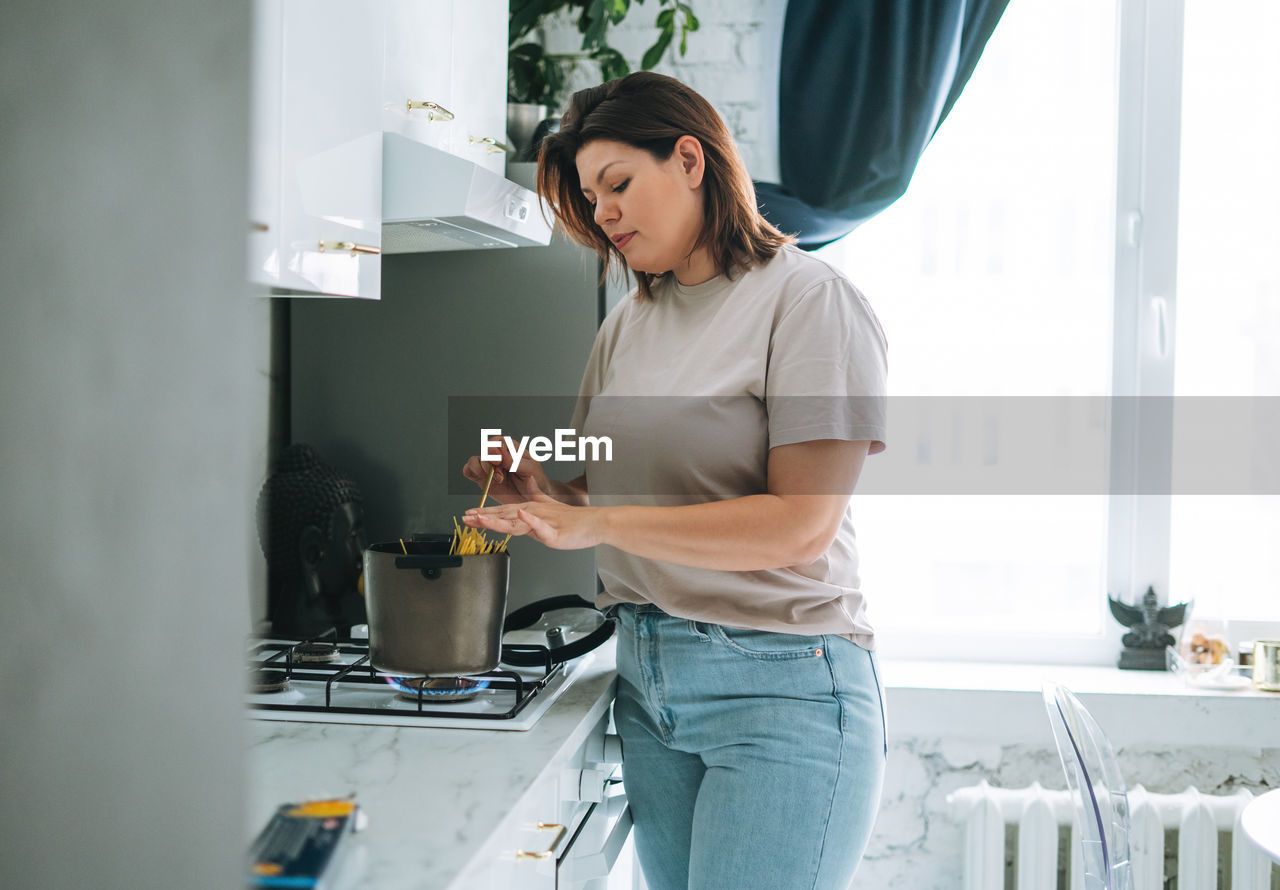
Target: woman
[742, 388]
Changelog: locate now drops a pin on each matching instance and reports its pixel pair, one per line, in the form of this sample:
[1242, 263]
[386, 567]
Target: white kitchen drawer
[523, 855]
[598, 844]
[562, 827]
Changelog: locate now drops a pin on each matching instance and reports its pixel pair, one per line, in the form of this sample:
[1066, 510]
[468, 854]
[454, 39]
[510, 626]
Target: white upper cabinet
[264, 144]
[445, 80]
[331, 162]
[417, 82]
[316, 200]
[329, 77]
[480, 72]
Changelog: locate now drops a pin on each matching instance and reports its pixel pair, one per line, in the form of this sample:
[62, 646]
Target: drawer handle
[494, 145]
[435, 112]
[544, 854]
[349, 245]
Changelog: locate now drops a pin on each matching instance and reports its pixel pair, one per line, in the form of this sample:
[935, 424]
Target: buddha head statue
[311, 528]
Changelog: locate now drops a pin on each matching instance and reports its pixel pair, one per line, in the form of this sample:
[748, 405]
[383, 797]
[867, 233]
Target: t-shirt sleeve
[597, 364]
[827, 371]
[592, 377]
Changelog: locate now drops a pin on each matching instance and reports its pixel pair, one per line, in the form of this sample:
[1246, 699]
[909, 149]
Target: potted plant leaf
[537, 80]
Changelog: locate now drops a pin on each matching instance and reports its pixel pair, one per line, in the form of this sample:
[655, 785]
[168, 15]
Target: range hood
[433, 200]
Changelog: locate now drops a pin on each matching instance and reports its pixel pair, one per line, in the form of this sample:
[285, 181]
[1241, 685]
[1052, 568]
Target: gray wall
[371, 383]
[133, 418]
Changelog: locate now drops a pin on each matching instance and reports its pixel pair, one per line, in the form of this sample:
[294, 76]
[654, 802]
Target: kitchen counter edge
[434, 796]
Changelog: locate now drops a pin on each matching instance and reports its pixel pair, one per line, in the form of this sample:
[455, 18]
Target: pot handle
[527, 615]
[430, 564]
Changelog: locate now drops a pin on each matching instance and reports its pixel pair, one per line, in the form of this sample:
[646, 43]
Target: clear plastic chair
[1097, 786]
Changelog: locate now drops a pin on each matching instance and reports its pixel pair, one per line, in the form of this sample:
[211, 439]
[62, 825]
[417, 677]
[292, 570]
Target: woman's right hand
[508, 487]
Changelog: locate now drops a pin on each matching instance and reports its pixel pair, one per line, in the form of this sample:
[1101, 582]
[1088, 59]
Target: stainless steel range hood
[433, 200]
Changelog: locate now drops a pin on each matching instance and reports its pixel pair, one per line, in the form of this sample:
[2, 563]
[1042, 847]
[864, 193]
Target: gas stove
[321, 680]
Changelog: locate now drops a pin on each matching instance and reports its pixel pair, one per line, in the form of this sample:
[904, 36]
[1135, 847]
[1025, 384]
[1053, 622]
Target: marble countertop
[433, 796]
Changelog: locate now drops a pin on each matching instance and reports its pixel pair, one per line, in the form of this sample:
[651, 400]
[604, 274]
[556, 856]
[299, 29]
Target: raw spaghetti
[472, 541]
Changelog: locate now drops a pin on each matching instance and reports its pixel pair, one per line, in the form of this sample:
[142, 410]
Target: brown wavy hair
[651, 112]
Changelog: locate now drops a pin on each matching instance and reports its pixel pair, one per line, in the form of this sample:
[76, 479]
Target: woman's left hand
[543, 518]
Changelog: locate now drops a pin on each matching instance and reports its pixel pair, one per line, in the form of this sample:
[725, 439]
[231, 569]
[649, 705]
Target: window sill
[1002, 703]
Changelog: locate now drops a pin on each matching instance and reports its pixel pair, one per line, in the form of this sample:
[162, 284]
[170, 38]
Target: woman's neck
[697, 268]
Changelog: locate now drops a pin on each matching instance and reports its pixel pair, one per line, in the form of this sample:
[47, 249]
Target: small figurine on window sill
[1149, 626]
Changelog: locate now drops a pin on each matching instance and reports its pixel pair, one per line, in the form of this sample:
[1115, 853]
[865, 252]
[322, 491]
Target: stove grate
[361, 673]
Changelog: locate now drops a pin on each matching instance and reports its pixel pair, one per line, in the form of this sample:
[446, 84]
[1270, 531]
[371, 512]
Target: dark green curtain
[864, 86]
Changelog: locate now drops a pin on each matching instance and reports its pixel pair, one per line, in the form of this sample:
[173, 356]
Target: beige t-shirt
[694, 388]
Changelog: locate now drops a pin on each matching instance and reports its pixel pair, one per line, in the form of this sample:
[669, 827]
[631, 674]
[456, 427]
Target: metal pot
[522, 119]
[432, 614]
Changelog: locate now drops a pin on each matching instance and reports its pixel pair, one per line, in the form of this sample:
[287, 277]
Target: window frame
[1149, 59]
[1148, 137]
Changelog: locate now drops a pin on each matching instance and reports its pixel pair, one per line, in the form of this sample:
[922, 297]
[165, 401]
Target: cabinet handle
[494, 144]
[434, 112]
[349, 245]
[255, 226]
[544, 854]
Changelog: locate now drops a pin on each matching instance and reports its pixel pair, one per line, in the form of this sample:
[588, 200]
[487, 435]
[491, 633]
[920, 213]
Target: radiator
[1196, 819]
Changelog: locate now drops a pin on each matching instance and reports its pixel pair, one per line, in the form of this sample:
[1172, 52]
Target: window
[1034, 251]
[1223, 547]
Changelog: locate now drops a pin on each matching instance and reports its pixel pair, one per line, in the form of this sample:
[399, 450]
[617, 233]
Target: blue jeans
[752, 760]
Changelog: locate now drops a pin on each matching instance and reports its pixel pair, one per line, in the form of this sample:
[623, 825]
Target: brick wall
[732, 60]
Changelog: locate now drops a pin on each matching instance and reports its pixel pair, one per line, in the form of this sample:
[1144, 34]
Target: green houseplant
[537, 77]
